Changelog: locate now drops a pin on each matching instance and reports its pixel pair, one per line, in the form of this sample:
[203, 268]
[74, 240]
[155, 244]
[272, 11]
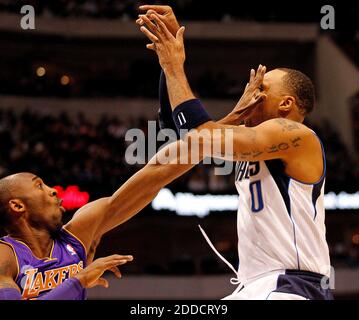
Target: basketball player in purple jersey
[40, 258]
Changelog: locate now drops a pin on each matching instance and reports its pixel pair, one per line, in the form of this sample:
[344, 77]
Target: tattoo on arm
[272, 149]
[287, 125]
[283, 146]
[294, 143]
[256, 153]
[245, 155]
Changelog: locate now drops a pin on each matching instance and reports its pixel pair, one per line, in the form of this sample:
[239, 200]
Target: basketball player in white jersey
[280, 172]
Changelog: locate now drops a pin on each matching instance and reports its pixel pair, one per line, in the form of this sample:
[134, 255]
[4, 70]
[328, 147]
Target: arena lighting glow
[72, 197]
[65, 80]
[189, 204]
[40, 71]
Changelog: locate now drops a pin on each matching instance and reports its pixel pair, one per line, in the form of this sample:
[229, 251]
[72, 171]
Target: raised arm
[250, 99]
[96, 218]
[273, 139]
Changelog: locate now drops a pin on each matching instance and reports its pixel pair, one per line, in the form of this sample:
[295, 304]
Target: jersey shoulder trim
[16, 258]
[78, 239]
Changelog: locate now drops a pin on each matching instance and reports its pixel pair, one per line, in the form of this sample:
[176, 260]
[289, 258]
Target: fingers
[251, 75]
[260, 73]
[149, 24]
[111, 264]
[139, 21]
[144, 20]
[151, 46]
[261, 97]
[115, 257]
[160, 16]
[179, 35]
[149, 34]
[161, 26]
[156, 32]
[157, 8]
[149, 12]
[101, 282]
[256, 77]
[116, 271]
[115, 260]
[258, 99]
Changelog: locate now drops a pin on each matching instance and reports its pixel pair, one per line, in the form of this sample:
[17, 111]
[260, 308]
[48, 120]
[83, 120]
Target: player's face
[43, 207]
[269, 109]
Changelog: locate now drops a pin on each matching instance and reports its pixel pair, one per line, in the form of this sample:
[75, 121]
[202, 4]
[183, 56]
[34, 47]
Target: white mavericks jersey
[280, 221]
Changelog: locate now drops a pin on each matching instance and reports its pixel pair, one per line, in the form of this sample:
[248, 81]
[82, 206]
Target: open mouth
[60, 206]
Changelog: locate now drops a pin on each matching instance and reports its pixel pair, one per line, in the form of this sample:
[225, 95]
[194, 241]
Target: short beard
[56, 230]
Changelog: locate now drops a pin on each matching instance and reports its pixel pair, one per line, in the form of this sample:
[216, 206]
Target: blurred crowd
[120, 78]
[342, 169]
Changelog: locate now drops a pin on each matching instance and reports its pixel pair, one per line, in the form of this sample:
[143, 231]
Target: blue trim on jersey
[324, 166]
[318, 186]
[276, 170]
[324, 160]
[315, 195]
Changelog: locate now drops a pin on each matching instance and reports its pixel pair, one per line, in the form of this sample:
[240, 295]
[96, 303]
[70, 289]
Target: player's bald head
[11, 187]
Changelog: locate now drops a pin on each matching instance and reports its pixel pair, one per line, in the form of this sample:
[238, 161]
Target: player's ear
[17, 206]
[286, 105]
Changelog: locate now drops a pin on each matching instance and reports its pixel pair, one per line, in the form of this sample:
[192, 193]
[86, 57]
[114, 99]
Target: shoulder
[295, 139]
[287, 125]
[304, 158]
[297, 132]
[8, 260]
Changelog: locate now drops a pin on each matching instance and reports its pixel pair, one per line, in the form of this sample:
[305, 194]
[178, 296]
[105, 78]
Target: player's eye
[39, 185]
[261, 88]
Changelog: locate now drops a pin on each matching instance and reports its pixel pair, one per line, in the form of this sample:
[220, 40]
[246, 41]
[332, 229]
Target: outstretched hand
[169, 48]
[165, 13]
[91, 276]
[252, 95]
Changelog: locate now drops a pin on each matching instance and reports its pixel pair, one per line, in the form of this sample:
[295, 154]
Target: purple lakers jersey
[37, 277]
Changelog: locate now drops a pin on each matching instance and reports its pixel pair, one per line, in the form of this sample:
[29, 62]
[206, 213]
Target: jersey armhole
[323, 159]
[15, 254]
[78, 239]
[324, 165]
